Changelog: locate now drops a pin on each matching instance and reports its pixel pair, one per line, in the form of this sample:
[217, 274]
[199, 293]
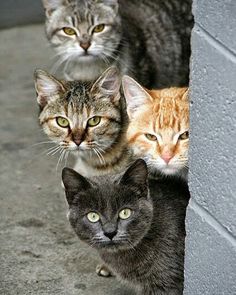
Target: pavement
[39, 253]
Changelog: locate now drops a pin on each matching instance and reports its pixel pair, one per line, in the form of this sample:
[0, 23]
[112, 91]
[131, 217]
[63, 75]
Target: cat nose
[77, 141]
[167, 157]
[85, 45]
[110, 234]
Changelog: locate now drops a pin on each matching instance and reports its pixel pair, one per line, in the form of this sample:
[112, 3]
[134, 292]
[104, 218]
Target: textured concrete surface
[20, 12]
[210, 265]
[39, 253]
[218, 18]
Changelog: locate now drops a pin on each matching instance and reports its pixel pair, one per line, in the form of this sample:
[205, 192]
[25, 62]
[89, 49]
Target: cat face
[109, 213]
[82, 117]
[83, 31]
[159, 127]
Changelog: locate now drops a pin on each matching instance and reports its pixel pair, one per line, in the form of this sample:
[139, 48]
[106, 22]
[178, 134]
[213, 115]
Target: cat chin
[169, 172]
[112, 246]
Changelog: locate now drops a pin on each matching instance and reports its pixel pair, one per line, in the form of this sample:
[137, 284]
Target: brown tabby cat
[88, 120]
[159, 127]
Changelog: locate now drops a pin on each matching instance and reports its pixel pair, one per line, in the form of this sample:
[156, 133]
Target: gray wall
[20, 12]
[210, 263]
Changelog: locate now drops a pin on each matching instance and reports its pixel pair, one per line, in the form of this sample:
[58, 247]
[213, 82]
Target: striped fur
[149, 40]
[100, 149]
[165, 115]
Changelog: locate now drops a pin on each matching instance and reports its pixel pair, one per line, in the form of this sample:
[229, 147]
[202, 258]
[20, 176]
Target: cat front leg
[103, 271]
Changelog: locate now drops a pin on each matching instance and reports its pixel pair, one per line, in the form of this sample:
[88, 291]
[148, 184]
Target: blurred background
[20, 12]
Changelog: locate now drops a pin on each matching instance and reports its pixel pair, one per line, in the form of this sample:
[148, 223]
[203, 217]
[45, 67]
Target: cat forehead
[108, 194]
[88, 11]
[169, 110]
[78, 92]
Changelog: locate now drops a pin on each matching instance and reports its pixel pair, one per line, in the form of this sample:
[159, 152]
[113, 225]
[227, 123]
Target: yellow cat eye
[93, 217]
[69, 31]
[125, 213]
[99, 28]
[62, 122]
[151, 137]
[94, 121]
[184, 135]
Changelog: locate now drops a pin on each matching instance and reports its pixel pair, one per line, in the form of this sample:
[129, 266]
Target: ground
[39, 252]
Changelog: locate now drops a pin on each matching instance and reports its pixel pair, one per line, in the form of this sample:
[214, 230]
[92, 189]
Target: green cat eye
[94, 121]
[93, 217]
[184, 135]
[151, 137]
[69, 31]
[99, 28]
[62, 122]
[125, 213]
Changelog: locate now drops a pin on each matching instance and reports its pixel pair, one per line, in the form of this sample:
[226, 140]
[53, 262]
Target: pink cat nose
[85, 45]
[167, 157]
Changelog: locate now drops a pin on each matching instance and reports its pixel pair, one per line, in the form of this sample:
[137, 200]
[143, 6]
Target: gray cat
[149, 40]
[139, 235]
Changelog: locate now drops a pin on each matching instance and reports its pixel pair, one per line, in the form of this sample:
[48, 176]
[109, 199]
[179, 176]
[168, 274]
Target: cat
[149, 40]
[159, 127]
[88, 120]
[137, 229]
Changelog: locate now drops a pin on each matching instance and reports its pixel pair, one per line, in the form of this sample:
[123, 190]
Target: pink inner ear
[42, 100]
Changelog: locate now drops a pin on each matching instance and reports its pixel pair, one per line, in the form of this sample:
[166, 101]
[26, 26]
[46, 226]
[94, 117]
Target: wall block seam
[212, 221]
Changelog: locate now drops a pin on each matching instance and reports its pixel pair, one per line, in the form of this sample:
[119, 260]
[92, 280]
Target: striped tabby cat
[86, 119]
[149, 40]
[159, 127]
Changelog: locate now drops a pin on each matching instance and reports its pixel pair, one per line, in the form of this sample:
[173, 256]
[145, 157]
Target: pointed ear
[74, 183]
[113, 4]
[136, 174]
[51, 5]
[185, 95]
[135, 95]
[47, 87]
[109, 84]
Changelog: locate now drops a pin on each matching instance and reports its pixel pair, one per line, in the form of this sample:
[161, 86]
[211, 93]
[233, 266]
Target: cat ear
[51, 5]
[185, 95]
[74, 183]
[136, 174]
[136, 96]
[109, 84]
[112, 3]
[47, 87]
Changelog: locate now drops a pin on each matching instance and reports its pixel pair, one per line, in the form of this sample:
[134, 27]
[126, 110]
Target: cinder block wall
[210, 262]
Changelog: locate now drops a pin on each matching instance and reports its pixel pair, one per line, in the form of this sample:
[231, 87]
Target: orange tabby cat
[159, 127]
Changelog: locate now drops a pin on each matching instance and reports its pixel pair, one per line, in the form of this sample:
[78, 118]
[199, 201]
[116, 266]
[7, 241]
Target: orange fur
[165, 114]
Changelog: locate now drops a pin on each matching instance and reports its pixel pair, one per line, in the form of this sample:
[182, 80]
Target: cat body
[149, 40]
[138, 233]
[159, 127]
[87, 120]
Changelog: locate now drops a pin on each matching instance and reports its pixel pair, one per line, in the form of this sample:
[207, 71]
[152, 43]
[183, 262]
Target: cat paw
[103, 271]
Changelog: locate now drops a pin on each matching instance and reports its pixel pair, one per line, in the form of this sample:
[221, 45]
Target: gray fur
[149, 40]
[146, 251]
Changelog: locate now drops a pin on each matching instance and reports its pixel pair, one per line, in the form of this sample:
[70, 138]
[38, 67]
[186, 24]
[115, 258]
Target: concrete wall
[20, 12]
[210, 263]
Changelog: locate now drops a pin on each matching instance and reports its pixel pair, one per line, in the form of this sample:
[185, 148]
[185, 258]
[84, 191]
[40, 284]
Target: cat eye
[184, 135]
[94, 121]
[125, 213]
[151, 137]
[62, 122]
[69, 31]
[99, 28]
[93, 217]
